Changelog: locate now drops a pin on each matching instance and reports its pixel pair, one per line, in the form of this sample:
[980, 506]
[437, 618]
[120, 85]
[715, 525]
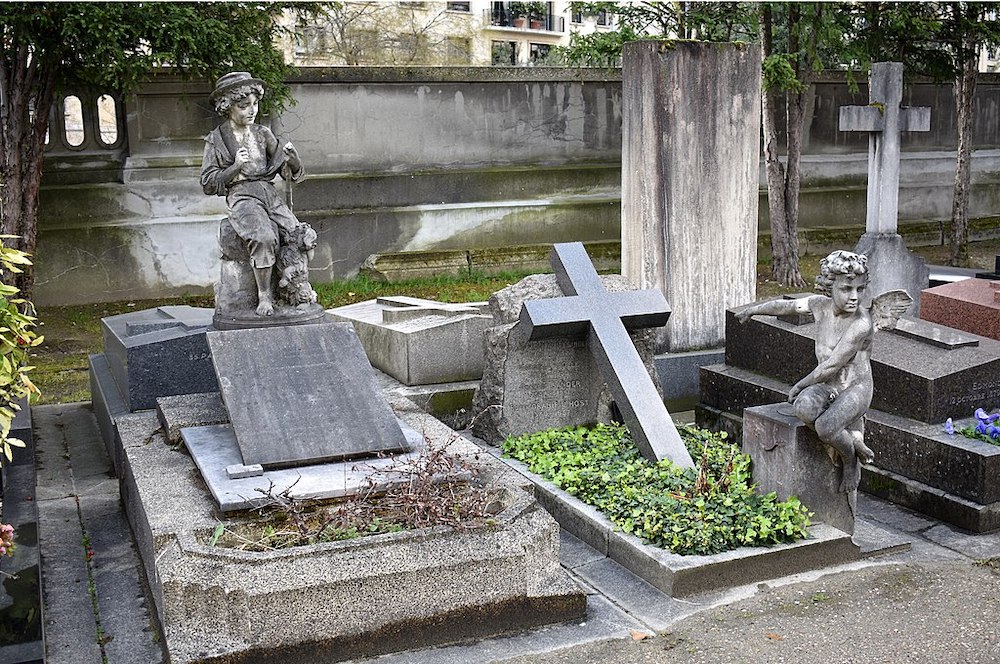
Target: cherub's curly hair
[230, 97]
[839, 263]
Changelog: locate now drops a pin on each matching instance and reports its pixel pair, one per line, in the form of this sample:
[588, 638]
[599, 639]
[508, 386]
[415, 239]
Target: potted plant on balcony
[537, 11]
[519, 12]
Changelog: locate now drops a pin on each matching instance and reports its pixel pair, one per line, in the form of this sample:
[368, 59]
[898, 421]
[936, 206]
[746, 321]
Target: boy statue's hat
[232, 80]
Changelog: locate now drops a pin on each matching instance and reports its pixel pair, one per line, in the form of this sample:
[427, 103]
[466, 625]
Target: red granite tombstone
[972, 305]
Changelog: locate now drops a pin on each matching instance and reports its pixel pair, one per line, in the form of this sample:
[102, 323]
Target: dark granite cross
[605, 319]
[884, 120]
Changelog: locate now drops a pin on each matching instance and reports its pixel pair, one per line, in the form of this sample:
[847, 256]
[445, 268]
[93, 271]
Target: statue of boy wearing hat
[241, 160]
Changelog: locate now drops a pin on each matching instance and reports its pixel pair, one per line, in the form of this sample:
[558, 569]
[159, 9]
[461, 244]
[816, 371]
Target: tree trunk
[782, 182]
[965, 92]
[27, 88]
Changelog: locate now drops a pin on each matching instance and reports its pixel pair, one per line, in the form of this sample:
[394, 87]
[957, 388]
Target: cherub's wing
[888, 307]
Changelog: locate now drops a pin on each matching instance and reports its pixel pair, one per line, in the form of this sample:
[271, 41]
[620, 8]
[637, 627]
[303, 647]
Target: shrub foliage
[703, 510]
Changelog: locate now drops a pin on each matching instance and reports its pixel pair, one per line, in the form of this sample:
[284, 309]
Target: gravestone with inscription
[588, 311]
[923, 373]
[303, 409]
[891, 264]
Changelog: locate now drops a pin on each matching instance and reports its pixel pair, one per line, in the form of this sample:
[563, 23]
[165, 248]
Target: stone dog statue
[240, 162]
[833, 399]
[293, 266]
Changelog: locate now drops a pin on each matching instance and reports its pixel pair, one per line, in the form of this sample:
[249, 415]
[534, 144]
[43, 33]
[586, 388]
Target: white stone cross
[884, 119]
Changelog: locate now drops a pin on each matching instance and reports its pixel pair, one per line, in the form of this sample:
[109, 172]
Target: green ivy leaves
[704, 510]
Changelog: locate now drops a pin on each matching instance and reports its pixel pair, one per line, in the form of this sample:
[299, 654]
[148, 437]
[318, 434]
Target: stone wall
[406, 159]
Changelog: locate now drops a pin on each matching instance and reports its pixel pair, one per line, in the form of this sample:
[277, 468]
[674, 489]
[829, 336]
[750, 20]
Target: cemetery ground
[935, 602]
[73, 332]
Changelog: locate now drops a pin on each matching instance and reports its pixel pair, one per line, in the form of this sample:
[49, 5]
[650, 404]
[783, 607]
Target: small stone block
[238, 471]
[789, 459]
[935, 335]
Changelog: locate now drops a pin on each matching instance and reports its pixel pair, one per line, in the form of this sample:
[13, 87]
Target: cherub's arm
[854, 339]
[777, 307]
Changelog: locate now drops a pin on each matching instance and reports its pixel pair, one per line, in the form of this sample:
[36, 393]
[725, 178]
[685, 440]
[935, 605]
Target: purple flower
[993, 431]
[981, 427]
[980, 414]
[949, 427]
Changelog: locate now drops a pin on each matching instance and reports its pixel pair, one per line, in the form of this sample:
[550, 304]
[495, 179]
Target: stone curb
[684, 576]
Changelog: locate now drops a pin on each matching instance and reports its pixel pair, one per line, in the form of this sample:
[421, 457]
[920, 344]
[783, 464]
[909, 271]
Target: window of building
[458, 50]
[107, 119]
[537, 53]
[459, 6]
[576, 17]
[73, 121]
[603, 18]
[504, 53]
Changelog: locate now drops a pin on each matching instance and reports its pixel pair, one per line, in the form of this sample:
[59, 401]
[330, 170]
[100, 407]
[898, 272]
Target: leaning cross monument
[605, 318]
[892, 264]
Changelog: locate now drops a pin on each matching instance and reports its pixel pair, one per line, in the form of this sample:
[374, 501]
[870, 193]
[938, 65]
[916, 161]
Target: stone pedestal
[690, 161]
[789, 459]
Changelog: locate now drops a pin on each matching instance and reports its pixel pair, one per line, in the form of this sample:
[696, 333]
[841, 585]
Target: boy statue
[241, 160]
[833, 399]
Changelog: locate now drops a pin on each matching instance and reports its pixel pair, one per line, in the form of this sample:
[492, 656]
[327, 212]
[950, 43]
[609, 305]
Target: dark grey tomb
[158, 352]
[604, 319]
[302, 394]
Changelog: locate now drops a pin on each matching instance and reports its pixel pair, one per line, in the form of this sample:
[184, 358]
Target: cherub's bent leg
[834, 427]
[811, 403]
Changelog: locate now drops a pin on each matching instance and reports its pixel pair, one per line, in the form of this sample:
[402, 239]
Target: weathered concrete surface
[690, 155]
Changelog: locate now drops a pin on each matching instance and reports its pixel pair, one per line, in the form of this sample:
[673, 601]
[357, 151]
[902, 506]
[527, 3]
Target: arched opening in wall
[73, 121]
[107, 120]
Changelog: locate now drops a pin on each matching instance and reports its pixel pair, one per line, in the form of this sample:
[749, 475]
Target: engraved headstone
[529, 386]
[604, 319]
[891, 264]
[301, 395]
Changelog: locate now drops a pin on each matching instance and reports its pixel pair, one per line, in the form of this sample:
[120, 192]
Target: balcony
[508, 15]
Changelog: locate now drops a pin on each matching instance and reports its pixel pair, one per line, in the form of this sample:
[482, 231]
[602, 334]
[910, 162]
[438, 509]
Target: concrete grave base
[351, 599]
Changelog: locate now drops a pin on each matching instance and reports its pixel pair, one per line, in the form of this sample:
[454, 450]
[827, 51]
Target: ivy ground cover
[704, 510]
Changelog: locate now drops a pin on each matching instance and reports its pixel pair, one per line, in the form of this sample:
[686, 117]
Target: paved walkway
[938, 602]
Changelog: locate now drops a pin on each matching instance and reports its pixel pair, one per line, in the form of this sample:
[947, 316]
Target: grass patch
[704, 510]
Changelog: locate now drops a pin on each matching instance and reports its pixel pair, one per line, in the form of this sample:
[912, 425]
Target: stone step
[974, 517]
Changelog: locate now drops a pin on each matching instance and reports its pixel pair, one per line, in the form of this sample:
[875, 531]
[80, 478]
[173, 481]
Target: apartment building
[475, 33]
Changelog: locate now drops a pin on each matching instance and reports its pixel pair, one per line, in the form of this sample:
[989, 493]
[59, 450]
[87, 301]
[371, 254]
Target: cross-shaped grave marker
[884, 119]
[605, 319]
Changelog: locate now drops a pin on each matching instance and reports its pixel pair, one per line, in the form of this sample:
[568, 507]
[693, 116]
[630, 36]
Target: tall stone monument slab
[690, 165]
[892, 265]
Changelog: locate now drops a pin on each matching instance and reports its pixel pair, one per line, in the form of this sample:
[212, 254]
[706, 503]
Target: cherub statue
[833, 399]
[241, 160]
